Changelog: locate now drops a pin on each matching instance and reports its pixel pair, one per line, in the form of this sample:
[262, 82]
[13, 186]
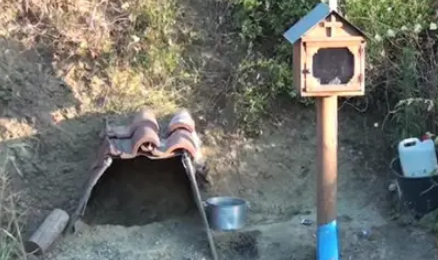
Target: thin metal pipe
[89, 188]
[333, 4]
[191, 174]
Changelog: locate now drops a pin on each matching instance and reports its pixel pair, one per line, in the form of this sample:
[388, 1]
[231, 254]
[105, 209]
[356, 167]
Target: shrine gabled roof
[319, 13]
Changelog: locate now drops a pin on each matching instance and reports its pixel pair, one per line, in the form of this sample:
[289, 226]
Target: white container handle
[408, 141]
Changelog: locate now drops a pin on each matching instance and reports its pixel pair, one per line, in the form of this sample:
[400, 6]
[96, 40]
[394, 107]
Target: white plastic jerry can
[417, 158]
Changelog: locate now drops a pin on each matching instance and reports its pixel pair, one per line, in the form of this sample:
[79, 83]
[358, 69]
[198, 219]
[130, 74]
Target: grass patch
[402, 67]
[11, 246]
[116, 55]
[265, 75]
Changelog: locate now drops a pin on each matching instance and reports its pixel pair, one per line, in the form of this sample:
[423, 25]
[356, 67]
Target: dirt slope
[276, 173]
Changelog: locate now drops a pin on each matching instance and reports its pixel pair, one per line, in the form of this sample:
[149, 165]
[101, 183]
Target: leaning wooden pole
[327, 170]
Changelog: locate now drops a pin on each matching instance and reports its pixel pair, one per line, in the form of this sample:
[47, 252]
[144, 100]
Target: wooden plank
[327, 93]
[321, 41]
[297, 63]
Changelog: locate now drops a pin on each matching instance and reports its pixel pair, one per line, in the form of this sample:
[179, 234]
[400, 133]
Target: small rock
[364, 234]
[307, 222]
[345, 218]
[247, 147]
[79, 226]
[392, 187]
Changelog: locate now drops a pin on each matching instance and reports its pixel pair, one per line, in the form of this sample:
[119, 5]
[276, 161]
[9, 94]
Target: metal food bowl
[226, 213]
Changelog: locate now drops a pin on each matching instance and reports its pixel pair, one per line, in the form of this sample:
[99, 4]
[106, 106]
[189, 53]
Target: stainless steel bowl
[226, 213]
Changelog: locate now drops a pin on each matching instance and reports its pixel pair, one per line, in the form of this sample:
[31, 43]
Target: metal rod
[191, 174]
[80, 210]
[327, 167]
[333, 4]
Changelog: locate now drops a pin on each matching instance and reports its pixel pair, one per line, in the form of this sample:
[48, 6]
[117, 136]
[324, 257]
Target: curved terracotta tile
[181, 140]
[181, 120]
[145, 117]
[144, 136]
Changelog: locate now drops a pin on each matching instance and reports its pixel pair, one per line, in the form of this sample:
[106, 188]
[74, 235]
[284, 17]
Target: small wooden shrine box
[329, 54]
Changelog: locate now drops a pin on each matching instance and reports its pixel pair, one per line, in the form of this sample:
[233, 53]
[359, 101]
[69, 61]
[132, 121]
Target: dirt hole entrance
[140, 191]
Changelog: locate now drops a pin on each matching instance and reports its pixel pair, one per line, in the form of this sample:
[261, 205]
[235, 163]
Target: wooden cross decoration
[332, 25]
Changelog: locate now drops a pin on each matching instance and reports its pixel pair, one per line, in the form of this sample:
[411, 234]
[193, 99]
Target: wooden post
[327, 167]
[305, 48]
[327, 164]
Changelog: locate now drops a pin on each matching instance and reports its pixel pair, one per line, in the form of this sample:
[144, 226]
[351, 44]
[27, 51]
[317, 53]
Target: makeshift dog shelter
[140, 150]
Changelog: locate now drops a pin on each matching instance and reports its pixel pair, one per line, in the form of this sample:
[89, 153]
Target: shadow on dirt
[140, 191]
[240, 245]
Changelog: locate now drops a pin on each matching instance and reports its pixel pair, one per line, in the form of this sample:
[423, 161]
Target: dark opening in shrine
[333, 66]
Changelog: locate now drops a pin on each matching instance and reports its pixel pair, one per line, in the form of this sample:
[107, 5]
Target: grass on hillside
[11, 245]
[117, 56]
[121, 55]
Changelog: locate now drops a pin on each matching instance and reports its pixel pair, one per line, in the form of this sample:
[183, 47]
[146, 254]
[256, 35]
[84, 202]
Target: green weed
[266, 74]
[11, 246]
[400, 55]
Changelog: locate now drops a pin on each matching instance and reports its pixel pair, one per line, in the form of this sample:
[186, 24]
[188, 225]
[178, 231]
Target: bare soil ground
[276, 173]
[49, 134]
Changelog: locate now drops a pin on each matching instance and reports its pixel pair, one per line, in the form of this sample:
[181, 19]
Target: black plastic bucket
[420, 195]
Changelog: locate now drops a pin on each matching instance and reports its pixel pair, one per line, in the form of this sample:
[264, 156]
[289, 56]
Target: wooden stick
[47, 233]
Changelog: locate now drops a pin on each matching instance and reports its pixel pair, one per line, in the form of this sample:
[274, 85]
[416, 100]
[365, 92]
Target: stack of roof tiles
[142, 138]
